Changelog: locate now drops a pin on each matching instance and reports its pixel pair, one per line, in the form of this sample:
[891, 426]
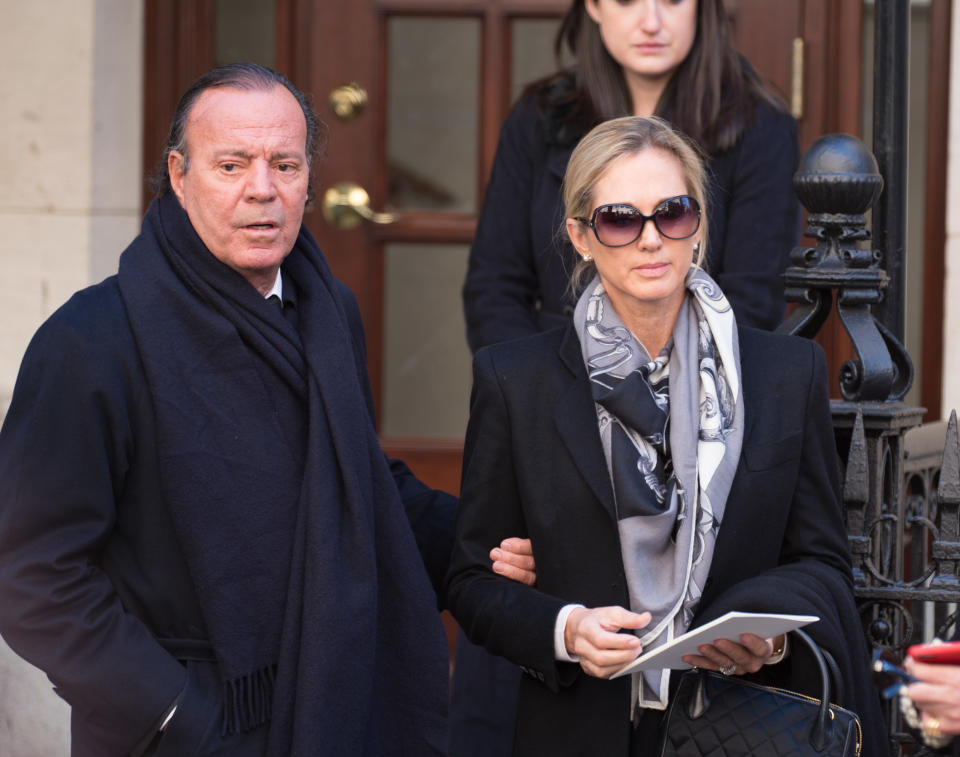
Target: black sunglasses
[619, 224]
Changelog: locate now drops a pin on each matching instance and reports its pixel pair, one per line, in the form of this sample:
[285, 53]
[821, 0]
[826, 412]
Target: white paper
[729, 626]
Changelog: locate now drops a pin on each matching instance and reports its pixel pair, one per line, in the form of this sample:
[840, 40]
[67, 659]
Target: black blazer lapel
[576, 418]
[742, 500]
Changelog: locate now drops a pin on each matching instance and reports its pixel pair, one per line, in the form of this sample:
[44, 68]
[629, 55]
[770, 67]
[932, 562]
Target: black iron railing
[901, 485]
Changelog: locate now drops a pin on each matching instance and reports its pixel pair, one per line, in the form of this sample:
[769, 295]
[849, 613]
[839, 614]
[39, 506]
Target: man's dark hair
[248, 76]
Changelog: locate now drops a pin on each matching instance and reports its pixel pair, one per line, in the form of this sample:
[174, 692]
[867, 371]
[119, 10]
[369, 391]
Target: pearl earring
[586, 256]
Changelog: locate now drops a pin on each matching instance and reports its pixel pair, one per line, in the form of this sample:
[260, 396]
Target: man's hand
[514, 559]
[938, 696]
[592, 636]
[731, 658]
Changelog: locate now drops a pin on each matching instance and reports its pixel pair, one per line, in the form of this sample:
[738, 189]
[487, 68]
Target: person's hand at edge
[937, 696]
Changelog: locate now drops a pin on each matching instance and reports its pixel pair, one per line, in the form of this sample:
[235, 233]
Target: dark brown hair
[245, 76]
[710, 96]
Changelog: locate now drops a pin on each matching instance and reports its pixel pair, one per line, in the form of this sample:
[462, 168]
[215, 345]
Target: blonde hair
[609, 142]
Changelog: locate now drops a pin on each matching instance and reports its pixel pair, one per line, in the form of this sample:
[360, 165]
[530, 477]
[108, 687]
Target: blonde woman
[739, 510]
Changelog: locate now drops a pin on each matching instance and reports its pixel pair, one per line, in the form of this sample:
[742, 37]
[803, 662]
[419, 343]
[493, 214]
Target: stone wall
[71, 181]
[951, 299]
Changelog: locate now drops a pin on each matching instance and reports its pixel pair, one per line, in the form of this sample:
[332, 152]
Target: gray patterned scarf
[671, 429]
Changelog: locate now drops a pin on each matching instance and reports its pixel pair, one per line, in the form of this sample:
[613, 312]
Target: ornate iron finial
[946, 548]
[856, 497]
[837, 182]
[948, 489]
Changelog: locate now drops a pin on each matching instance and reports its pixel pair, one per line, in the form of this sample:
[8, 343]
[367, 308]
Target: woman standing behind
[667, 466]
[671, 58]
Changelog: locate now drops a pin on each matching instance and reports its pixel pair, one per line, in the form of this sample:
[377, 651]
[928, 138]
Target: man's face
[246, 185]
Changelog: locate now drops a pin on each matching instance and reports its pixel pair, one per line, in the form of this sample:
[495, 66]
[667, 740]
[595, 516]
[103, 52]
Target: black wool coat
[520, 260]
[534, 467]
[91, 572]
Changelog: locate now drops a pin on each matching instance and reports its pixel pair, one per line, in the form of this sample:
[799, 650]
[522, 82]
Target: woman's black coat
[534, 467]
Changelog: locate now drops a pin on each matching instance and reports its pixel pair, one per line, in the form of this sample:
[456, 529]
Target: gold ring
[931, 727]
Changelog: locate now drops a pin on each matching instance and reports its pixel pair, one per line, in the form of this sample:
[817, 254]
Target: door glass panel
[245, 31]
[426, 363]
[531, 51]
[433, 86]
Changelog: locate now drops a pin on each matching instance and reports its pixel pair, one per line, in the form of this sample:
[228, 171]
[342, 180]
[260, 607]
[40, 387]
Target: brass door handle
[346, 205]
[348, 101]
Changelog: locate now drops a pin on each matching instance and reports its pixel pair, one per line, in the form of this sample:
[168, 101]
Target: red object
[947, 653]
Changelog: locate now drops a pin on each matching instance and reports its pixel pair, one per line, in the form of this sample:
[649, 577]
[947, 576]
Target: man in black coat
[201, 541]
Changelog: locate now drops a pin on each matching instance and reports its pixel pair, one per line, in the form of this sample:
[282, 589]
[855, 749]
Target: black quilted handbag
[713, 715]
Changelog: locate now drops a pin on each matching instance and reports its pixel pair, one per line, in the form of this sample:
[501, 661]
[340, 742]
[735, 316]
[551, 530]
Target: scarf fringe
[248, 700]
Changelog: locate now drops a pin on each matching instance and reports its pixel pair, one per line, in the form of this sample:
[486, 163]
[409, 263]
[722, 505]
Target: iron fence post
[891, 56]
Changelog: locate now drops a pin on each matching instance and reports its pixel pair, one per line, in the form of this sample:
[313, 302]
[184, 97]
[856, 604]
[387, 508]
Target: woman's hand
[730, 658]
[592, 636]
[514, 559]
[938, 696]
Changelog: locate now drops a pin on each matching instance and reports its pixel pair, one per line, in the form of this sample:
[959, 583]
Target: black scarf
[315, 597]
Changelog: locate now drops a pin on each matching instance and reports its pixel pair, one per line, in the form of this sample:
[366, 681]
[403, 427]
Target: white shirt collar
[277, 288]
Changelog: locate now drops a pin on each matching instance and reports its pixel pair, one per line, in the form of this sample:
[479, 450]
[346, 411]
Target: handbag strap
[818, 737]
[836, 678]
